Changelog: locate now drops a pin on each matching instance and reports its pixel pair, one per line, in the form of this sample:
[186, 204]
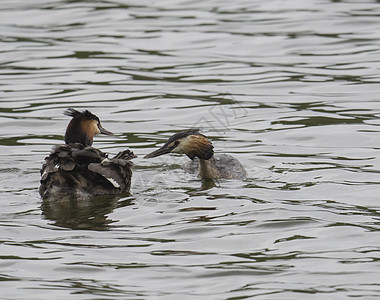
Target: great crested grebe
[76, 168]
[200, 150]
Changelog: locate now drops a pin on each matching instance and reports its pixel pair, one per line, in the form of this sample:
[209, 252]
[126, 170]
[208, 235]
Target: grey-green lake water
[290, 88]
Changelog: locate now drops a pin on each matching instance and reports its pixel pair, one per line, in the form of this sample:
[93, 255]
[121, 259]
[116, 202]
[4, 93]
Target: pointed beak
[104, 131]
[163, 150]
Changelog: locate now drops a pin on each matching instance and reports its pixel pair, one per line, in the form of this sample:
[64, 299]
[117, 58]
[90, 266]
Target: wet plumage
[77, 168]
[201, 152]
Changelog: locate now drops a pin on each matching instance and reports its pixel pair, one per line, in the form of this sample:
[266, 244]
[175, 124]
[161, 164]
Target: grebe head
[82, 127]
[189, 142]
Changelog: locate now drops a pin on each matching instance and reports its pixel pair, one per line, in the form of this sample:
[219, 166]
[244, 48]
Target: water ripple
[289, 88]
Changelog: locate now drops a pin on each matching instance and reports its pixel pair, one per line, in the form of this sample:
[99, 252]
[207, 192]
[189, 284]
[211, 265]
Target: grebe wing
[117, 170]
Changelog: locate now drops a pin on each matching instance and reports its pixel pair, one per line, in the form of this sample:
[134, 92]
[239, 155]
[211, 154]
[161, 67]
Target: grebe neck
[208, 169]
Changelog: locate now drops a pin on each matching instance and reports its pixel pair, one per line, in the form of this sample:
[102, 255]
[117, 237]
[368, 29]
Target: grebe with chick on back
[201, 151]
[76, 168]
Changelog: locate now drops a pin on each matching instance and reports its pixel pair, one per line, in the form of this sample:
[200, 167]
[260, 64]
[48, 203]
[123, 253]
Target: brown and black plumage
[201, 152]
[77, 168]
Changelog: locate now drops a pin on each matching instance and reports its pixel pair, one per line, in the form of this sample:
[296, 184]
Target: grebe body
[217, 167]
[77, 168]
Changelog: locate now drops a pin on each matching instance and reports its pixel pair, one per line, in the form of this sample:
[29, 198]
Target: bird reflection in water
[82, 213]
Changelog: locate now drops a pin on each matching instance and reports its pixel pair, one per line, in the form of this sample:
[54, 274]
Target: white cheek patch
[96, 128]
[184, 145]
[180, 149]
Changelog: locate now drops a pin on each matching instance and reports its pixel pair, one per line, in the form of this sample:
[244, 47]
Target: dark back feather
[74, 168]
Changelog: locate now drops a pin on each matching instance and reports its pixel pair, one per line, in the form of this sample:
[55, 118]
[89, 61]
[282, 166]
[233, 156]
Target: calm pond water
[290, 88]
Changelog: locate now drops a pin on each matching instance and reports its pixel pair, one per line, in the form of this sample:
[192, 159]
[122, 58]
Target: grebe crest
[76, 168]
[200, 150]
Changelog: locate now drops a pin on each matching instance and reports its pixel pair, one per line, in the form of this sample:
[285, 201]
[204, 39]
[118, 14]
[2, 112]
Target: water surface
[290, 88]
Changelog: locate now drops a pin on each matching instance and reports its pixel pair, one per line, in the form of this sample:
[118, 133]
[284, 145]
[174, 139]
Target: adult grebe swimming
[200, 150]
[78, 169]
